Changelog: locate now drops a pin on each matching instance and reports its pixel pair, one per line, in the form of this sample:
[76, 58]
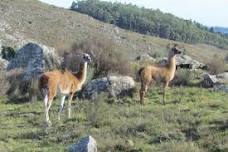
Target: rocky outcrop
[34, 59]
[221, 87]
[215, 80]
[145, 57]
[87, 144]
[186, 62]
[31, 60]
[114, 85]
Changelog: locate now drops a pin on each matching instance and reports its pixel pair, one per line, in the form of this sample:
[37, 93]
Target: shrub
[20, 88]
[8, 53]
[216, 66]
[3, 83]
[13, 77]
[183, 77]
[155, 54]
[226, 58]
[106, 57]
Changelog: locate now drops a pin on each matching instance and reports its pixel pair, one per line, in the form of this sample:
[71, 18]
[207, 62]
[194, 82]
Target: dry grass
[59, 27]
[106, 57]
[4, 83]
[216, 65]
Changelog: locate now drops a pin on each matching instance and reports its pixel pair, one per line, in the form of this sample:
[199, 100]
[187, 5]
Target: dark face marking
[176, 51]
[87, 58]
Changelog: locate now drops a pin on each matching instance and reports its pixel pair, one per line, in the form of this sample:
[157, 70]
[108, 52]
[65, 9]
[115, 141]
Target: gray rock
[184, 61]
[221, 88]
[219, 81]
[29, 57]
[87, 144]
[145, 57]
[31, 60]
[34, 59]
[209, 80]
[74, 5]
[114, 85]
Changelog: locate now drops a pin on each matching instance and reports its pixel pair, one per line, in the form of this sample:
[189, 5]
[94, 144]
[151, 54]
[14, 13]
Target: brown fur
[151, 74]
[64, 83]
[62, 80]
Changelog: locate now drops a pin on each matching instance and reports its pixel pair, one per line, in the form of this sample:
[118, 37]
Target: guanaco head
[86, 58]
[174, 49]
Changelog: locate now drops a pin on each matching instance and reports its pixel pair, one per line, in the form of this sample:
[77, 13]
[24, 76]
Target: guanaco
[62, 83]
[159, 73]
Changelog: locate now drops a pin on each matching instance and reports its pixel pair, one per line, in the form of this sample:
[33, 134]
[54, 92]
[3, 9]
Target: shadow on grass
[33, 135]
[17, 100]
[219, 125]
[191, 134]
[24, 114]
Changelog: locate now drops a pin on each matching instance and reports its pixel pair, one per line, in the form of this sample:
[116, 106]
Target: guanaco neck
[81, 74]
[172, 63]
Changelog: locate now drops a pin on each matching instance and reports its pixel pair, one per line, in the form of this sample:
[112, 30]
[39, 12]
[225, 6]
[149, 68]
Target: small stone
[86, 144]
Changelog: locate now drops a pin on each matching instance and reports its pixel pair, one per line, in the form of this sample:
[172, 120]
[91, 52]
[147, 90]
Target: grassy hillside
[193, 120]
[60, 28]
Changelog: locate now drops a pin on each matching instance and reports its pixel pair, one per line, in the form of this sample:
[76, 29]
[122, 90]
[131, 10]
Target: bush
[106, 58]
[3, 83]
[8, 53]
[183, 77]
[20, 88]
[216, 65]
[226, 58]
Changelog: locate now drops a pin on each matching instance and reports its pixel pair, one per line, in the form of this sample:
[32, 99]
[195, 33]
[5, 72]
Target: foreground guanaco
[163, 73]
[63, 83]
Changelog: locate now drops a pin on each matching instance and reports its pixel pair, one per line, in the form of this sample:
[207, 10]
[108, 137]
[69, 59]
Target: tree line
[151, 22]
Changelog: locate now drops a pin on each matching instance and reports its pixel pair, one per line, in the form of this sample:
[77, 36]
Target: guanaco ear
[175, 45]
[169, 46]
[80, 54]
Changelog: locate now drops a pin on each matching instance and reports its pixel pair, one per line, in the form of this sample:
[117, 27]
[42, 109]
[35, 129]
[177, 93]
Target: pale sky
[207, 12]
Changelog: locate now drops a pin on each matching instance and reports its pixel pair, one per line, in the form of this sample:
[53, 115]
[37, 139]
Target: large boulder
[115, 86]
[29, 63]
[35, 58]
[185, 61]
[86, 144]
[215, 80]
[221, 88]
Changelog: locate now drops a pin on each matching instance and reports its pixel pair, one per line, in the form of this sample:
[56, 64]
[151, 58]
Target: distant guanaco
[62, 83]
[160, 73]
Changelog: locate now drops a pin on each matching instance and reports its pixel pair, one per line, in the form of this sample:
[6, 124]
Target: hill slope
[60, 28]
[150, 22]
[194, 119]
[221, 30]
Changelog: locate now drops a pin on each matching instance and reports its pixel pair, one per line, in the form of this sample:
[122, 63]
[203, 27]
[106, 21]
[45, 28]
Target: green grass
[193, 119]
